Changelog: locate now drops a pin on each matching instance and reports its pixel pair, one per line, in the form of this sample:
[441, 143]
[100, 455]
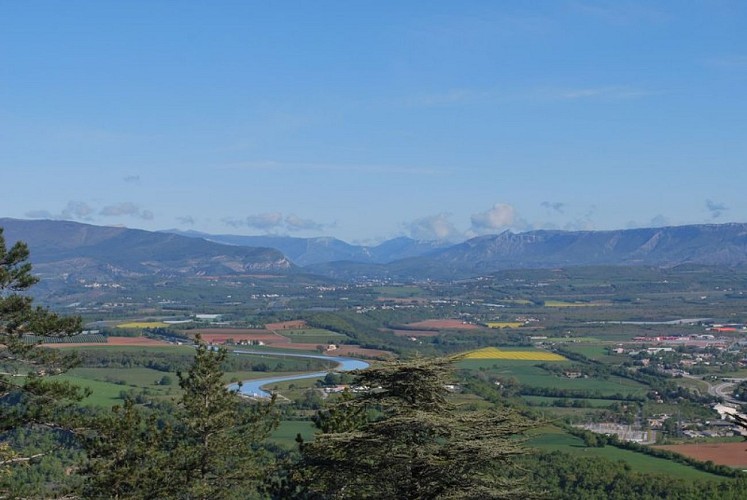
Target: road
[722, 389]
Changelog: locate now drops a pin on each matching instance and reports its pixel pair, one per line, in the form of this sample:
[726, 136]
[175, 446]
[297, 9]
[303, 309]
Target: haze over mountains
[307, 251]
[98, 252]
[81, 249]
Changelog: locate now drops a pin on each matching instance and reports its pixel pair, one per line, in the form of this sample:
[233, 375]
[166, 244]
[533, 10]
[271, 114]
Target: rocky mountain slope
[95, 252]
[81, 249]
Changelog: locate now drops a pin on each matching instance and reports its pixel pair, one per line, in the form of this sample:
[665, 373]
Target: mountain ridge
[103, 251]
[324, 249]
[72, 247]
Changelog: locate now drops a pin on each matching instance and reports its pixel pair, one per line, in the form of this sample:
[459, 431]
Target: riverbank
[253, 388]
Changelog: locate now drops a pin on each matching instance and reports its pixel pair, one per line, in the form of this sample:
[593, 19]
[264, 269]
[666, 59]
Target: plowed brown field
[220, 335]
[731, 454]
[115, 341]
[286, 325]
[443, 324]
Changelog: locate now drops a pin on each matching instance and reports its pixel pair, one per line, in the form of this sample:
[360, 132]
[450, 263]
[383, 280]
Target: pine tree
[211, 447]
[219, 435]
[27, 397]
[412, 443]
[128, 456]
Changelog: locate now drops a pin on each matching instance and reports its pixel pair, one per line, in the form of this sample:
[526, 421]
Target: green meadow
[530, 374]
[285, 434]
[552, 439]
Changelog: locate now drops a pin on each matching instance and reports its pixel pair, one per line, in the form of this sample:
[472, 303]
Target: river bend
[253, 387]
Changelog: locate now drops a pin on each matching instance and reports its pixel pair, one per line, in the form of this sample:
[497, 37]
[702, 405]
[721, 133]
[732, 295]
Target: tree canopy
[210, 447]
[398, 436]
[27, 398]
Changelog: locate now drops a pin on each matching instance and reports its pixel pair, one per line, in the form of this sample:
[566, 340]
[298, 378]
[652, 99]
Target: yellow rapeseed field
[493, 353]
[505, 324]
[143, 324]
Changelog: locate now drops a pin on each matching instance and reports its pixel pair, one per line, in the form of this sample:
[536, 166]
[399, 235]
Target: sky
[368, 120]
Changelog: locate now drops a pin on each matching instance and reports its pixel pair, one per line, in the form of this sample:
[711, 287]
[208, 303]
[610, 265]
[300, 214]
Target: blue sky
[369, 120]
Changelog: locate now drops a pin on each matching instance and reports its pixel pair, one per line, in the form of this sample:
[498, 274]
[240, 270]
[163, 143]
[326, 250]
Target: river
[254, 387]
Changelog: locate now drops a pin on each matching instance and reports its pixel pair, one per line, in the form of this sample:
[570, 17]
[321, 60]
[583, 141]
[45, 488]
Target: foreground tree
[27, 398]
[401, 438]
[219, 434]
[211, 447]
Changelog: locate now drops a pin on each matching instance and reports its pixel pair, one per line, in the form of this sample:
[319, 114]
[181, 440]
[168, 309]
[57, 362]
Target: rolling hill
[311, 251]
[706, 244]
[63, 248]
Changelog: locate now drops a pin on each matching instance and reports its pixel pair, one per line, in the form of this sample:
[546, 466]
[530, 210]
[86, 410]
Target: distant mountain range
[60, 246]
[309, 251]
[706, 244]
[96, 252]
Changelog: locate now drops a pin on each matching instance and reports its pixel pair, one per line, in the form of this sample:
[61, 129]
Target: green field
[556, 439]
[548, 401]
[588, 349]
[313, 336]
[529, 374]
[399, 292]
[312, 332]
[502, 364]
[285, 434]
[132, 349]
[568, 340]
[315, 339]
[612, 385]
[107, 384]
[294, 389]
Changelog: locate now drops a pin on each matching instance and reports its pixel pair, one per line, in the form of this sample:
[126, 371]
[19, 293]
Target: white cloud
[659, 221]
[584, 222]
[127, 209]
[612, 93]
[77, 210]
[448, 98]
[500, 217]
[264, 221]
[74, 210]
[715, 208]
[40, 214]
[274, 221]
[434, 227]
[187, 220]
[554, 206]
[295, 223]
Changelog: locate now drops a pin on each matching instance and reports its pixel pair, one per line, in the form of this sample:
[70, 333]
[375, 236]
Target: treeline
[660, 383]
[667, 390]
[464, 340]
[161, 361]
[600, 440]
[567, 477]
[590, 369]
[360, 329]
[555, 392]
[174, 362]
[566, 403]
[49, 474]
[73, 339]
